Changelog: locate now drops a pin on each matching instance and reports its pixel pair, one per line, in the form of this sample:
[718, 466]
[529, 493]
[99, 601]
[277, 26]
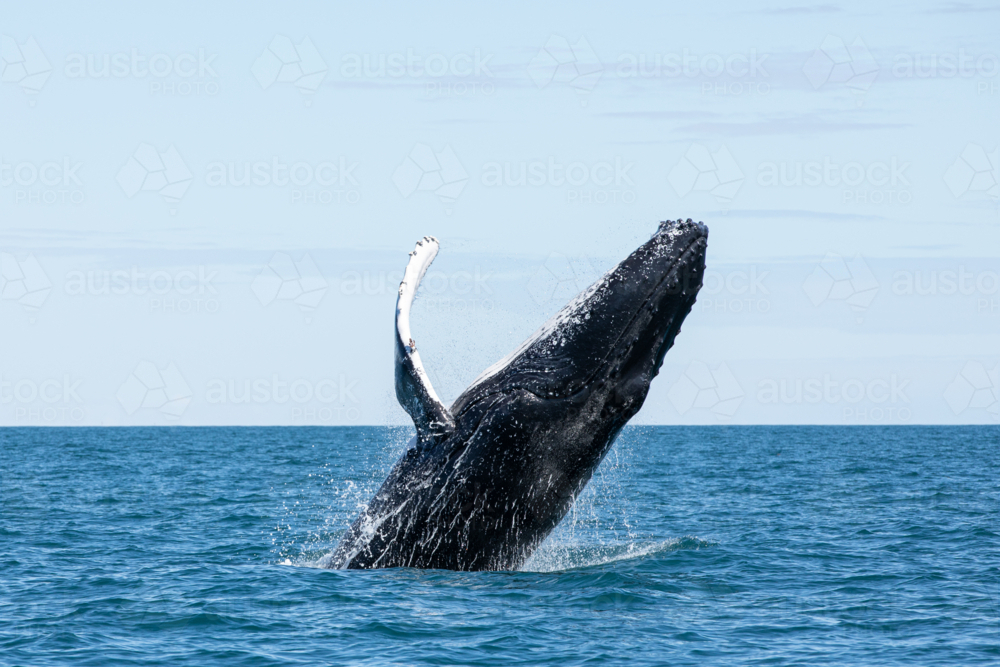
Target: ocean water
[708, 546]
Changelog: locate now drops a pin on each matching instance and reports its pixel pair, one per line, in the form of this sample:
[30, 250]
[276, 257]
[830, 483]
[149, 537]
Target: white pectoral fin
[413, 388]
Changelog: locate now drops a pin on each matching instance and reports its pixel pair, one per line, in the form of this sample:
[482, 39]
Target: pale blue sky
[707, 111]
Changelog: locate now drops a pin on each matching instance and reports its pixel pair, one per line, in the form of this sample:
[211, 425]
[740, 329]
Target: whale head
[602, 350]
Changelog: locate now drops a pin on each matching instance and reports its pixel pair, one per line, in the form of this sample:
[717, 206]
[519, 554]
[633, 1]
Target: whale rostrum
[483, 483]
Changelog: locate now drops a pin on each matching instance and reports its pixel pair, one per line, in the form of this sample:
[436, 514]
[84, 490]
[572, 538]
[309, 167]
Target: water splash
[316, 512]
[556, 557]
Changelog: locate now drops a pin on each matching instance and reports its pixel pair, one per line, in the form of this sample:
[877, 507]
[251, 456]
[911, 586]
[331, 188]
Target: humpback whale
[485, 481]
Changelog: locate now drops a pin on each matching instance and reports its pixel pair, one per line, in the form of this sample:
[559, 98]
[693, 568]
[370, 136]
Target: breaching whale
[484, 482]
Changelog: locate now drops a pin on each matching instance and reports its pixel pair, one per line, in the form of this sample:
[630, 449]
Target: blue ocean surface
[703, 546]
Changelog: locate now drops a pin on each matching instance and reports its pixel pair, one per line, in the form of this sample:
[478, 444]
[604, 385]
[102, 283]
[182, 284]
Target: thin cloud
[964, 8]
[800, 10]
[784, 126]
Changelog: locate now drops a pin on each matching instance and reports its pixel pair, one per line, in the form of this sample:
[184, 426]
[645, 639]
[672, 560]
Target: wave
[561, 556]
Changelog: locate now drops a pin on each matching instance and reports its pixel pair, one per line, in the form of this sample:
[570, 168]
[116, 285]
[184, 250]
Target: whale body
[485, 481]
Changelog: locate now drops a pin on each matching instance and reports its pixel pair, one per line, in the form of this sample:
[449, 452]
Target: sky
[205, 210]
